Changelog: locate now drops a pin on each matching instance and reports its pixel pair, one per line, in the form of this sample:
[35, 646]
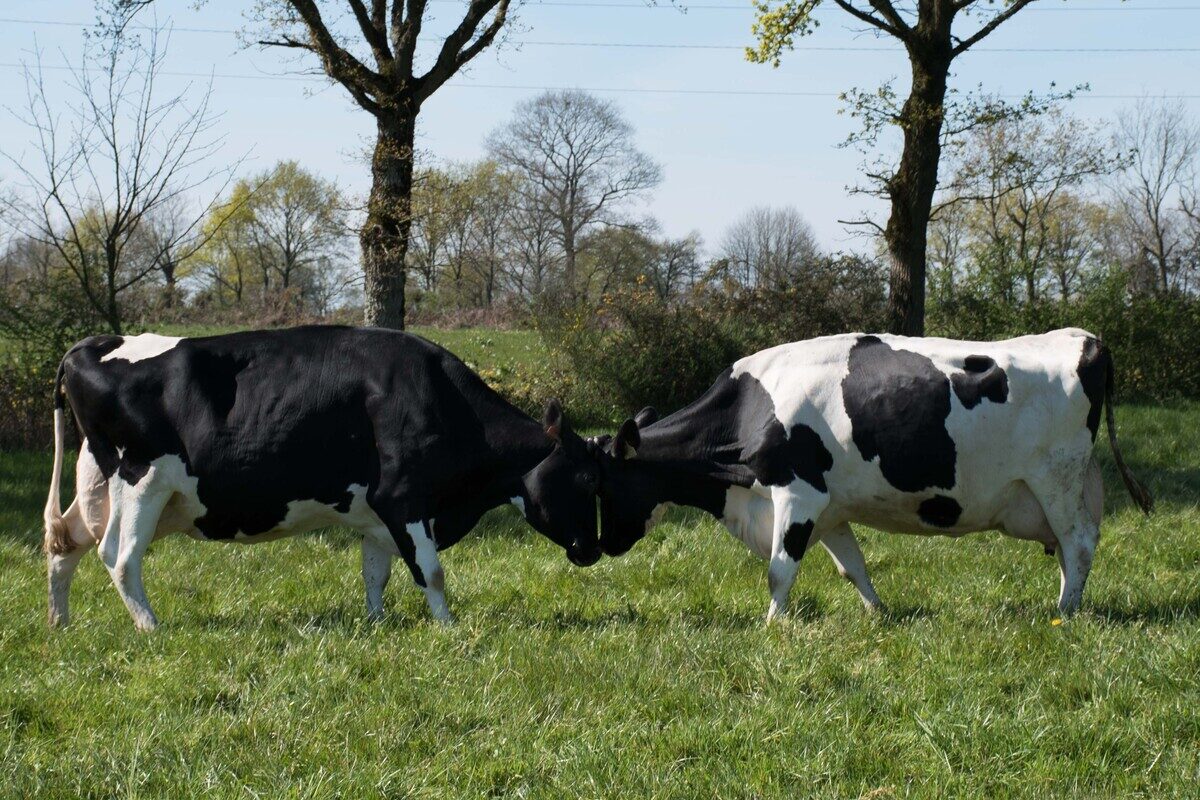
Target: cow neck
[518, 444]
[680, 466]
[694, 442]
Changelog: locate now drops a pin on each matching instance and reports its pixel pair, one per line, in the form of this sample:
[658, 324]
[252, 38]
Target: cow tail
[1139, 493]
[58, 535]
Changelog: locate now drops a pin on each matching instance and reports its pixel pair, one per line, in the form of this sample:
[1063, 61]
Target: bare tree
[534, 258]
[1164, 146]
[1015, 170]
[94, 184]
[493, 190]
[927, 31]
[579, 167]
[769, 247]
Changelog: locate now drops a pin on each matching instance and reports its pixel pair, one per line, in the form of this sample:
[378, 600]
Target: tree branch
[991, 25]
[874, 21]
[456, 52]
[375, 36]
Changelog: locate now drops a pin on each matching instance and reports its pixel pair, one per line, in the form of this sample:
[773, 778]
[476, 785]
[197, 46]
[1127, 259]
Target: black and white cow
[253, 436]
[923, 436]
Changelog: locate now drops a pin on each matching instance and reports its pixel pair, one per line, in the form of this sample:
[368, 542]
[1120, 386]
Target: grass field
[648, 676]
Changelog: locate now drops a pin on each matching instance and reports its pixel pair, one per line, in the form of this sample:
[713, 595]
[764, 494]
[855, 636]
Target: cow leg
[61, 567]
[85, 520]
[429, 566]
[1077, 529]
[133, 518]
[376, 570]
[419, 552]
[843, 548]
[796, 508]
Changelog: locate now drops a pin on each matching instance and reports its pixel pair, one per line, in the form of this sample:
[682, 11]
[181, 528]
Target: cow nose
[583, 558]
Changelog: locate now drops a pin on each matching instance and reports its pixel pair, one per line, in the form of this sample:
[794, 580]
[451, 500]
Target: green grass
[648, 676]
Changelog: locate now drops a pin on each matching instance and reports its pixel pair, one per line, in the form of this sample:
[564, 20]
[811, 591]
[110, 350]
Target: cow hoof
[875, 609]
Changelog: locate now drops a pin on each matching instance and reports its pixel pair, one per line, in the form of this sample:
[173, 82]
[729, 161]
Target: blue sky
[721, 153]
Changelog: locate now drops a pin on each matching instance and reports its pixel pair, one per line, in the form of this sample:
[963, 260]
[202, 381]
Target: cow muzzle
[583, 557]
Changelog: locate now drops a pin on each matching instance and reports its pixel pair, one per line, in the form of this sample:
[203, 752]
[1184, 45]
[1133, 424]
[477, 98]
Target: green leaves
[777, 28]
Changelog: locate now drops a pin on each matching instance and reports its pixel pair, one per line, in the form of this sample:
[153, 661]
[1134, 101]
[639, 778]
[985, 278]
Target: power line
[687, 7]
[597, 89]
[726, 47]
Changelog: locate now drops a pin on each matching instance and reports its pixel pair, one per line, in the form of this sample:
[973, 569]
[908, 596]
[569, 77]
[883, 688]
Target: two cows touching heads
[249, 437]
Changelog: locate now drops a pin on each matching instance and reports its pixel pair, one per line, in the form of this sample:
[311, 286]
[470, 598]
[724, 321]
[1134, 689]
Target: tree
[578, 166]
[769, 247]
[433, 195]
[1164, 147]
[281, 231]
[1017, 172]
[393, 91]
[127, 155]
[927, 33]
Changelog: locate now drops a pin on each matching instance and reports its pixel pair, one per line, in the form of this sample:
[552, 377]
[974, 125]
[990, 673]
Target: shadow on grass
[1158, 612]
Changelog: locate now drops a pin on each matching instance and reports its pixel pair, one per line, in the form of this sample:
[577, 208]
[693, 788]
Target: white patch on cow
[750, 518]
[519, 502]
[135, 515]
[141, 347]
[426, 556]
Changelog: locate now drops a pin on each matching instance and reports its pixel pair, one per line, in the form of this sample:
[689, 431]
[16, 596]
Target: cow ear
[627, 441]
[553, 420]
[647, 416]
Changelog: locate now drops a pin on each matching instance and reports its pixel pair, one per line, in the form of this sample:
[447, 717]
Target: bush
[635, 350]
[1154, 338]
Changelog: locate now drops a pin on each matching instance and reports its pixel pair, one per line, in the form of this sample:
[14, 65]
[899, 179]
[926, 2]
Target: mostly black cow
[253, 436]
[924, 436]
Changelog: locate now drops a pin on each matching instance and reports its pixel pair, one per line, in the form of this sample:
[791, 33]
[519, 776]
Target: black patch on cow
[981, 379]
[940, 511]
[343, 506]
[774, 455]
[795, 541]
[898, 402]
[1094, 363]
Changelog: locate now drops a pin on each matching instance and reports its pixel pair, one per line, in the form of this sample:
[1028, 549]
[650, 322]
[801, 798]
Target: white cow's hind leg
[430, 566]
[843, 548]
[376, 570]
[796, 508]
[133, 518]
[1074, 519]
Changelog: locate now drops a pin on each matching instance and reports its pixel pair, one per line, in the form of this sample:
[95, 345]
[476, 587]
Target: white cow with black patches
[924, 436]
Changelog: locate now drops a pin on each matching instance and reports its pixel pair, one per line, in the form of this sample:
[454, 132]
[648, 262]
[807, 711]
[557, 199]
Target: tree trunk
[385, 233]
[912, 189]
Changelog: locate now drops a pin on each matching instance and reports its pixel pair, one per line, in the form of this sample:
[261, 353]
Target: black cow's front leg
[414, 543]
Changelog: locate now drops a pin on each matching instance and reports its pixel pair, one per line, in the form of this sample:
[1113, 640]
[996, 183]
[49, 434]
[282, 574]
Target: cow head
[629, 494]
[560, 492]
